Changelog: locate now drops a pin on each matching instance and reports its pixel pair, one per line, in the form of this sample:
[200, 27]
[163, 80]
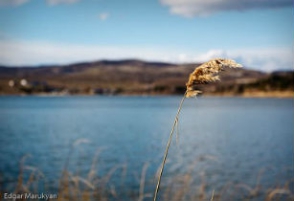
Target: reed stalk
[167, 146]
[207, 72]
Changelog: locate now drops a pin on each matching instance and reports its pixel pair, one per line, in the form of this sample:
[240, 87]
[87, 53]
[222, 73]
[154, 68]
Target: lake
[234, 142]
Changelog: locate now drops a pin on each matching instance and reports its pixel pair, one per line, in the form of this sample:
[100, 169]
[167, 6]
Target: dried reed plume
[204, 74]
[207, 72]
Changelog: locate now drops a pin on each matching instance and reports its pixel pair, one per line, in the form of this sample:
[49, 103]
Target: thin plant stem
[212, 196]
[167, 146]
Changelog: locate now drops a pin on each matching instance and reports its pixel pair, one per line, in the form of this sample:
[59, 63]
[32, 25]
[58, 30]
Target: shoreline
[274, 94]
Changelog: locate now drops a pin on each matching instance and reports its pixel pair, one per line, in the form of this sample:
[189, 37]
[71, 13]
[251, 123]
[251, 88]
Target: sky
[256, 33]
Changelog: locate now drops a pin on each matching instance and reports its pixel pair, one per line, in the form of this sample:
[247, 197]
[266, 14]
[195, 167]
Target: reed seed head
[208, 72]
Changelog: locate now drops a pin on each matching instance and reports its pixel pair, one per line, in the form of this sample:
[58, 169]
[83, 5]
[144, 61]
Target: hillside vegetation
[134, 77]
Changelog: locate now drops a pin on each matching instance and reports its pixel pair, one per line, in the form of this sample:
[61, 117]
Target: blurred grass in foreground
[180, 187]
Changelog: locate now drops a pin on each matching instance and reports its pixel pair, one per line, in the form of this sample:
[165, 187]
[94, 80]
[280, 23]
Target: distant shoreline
[256, 94]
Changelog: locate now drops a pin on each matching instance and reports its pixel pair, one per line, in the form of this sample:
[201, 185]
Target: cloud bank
[191, 8]
[21, 2]
[13, 2]
[21, 53]
[56, 2]
[265, 59]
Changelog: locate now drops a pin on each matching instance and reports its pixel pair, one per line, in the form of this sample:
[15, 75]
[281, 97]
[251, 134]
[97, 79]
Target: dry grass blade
[107, 177]
[212, 196]
[142, 182]
[207, 72]
[277, 191]
[92, 172]
[34, 177]
[80, 141]
[76, 179]
[20, 183]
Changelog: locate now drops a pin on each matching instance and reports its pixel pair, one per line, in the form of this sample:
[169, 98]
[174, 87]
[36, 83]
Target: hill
[135, 77]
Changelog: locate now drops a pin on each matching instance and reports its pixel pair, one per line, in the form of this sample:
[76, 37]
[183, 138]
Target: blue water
[226, 140]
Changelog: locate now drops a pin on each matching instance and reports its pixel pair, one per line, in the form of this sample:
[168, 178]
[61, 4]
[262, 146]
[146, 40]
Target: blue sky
[258, 34]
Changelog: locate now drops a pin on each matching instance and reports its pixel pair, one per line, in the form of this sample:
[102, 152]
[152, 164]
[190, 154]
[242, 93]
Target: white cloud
[265, 59]
[104, 16]
[56, 2]
[13, 2]
[190, 8]
[21, 2]
[20, 53]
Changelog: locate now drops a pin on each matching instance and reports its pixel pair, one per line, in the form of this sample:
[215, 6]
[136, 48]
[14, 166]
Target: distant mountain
[134, 77]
